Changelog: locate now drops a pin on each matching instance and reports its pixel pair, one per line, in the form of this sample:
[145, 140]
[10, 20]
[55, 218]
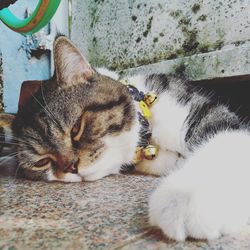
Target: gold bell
[147, 153]
[150, 98]
[150, 152]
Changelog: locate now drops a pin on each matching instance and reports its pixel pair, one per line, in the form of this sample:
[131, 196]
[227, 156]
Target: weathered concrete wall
[17, 65]
[231, 60]
[127, 34]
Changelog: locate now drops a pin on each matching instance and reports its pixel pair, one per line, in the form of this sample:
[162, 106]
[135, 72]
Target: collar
[144, 150]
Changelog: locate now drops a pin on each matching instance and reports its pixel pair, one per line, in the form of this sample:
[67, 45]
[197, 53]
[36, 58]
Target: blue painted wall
[17, 67]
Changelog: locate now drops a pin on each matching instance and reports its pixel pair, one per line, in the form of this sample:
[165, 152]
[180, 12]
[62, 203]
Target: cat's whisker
[14, 144]
[46, 105]
[7, 158]
[16, 172]
[20, 166]
[10, 143]
[15, 139]
[49, 114]
[12, 154]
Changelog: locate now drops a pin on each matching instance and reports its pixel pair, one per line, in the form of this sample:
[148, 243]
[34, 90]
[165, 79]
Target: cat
[84, 124]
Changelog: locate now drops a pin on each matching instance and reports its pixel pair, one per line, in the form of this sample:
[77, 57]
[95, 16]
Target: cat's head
[79, 124]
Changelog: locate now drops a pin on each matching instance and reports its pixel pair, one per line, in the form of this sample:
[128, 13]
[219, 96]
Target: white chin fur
[120, 150]
[67, 177]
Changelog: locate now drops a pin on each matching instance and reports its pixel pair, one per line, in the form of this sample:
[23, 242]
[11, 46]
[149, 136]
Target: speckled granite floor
[107, 214]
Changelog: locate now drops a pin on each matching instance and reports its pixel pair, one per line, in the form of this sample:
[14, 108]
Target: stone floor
[107, 214]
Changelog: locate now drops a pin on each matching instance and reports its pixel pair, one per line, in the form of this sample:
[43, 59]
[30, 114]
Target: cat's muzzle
[73, 167]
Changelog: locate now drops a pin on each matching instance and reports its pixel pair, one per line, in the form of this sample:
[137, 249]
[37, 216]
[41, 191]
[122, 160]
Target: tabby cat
[83, 124]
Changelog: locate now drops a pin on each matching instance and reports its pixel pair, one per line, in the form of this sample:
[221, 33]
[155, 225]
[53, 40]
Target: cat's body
[203, 148]
[183, 118]
[85, 125]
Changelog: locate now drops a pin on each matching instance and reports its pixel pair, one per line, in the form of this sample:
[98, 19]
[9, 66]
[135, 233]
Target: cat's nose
[71, 168]
[66, 165]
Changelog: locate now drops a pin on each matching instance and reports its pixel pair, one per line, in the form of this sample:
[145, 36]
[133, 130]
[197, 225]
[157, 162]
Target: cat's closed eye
[77, 130]
[42, 164]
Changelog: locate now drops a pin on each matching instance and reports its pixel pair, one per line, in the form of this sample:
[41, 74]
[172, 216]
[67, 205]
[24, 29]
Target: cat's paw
[181, 213]
[167, 210]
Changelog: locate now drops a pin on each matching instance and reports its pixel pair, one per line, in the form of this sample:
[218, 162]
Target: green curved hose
[42, 14]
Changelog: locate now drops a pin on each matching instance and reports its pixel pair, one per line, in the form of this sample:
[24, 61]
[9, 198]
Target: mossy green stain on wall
[148, 27]
[175, 13]
[202, 18]
[189, 68]
[190, 44]
[94, 16]
[196, 7]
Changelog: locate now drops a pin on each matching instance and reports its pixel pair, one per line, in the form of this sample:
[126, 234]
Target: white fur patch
[67, 177]
[120, 150]
[168, 128]
[209, 196]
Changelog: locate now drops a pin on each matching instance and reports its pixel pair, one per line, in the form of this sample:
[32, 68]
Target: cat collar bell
[145, 153]
[145, 100]
[148, 151]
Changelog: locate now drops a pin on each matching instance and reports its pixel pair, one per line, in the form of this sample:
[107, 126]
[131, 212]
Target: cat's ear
[70, 65]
